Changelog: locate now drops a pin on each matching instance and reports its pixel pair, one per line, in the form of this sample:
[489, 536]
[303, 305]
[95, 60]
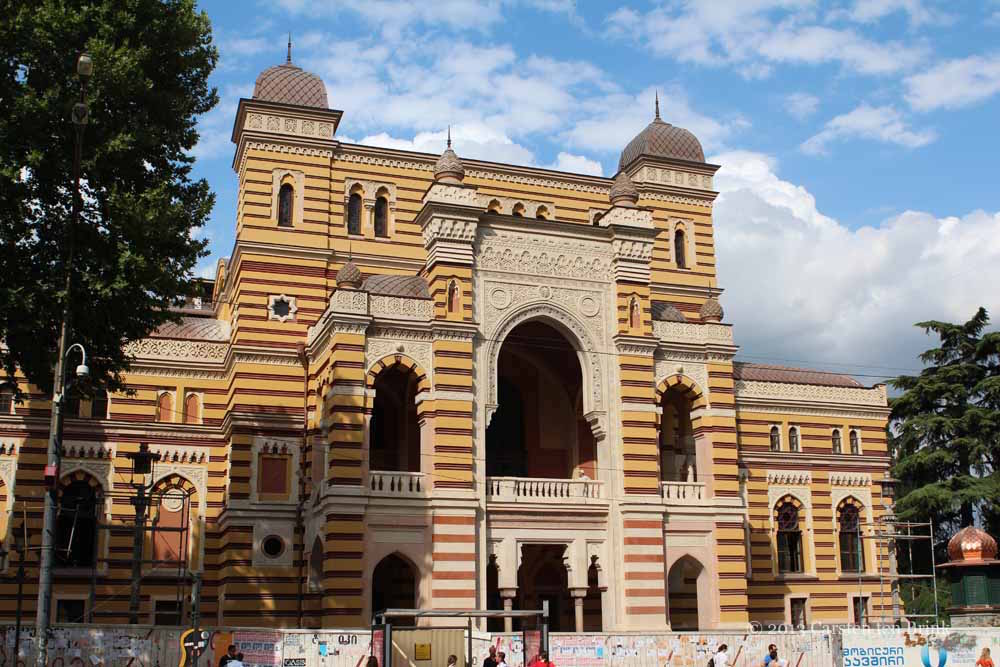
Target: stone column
[508, 595]
[578, 594]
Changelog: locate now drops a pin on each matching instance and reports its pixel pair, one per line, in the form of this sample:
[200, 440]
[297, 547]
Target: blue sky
[858, 140]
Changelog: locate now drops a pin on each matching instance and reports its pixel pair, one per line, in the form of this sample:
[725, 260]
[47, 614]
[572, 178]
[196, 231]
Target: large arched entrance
[538, 429]
[686, 586]
[394, 586]
[543, 578]
[394, 430]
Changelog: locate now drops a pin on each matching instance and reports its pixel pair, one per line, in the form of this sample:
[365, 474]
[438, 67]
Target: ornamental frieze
[500, 257]
[503, 298]
[875, 396]
[398, 307]
[690, 332]
[176, 350]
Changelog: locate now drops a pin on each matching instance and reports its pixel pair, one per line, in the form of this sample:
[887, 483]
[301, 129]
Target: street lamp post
[84, 69]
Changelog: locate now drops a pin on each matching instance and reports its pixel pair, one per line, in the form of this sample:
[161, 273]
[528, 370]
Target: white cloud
[577, 164]
[215, 128]
[753, 34]
[955, 83]
[473, 140]
[884, 124]
[869, 11]
[803, 287]
[392, 17]
[801, 105]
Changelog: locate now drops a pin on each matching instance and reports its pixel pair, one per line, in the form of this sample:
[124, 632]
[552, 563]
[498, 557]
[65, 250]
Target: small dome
[662, 140]
[971, 544]
[289, 84]
[711, 310]
[449, 167]
[623, 191]
[666, 312]
[411, 287]
[349, 276]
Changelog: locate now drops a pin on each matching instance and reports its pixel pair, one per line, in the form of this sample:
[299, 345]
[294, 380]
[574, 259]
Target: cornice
[746, 390]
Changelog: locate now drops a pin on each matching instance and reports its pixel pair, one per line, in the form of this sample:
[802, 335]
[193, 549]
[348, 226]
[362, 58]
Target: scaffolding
[892, 538]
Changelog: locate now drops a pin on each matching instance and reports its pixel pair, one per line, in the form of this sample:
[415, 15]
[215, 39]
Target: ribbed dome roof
[711, 310]
[971, 544]
[349, 275]
[413, 287]
[449, 167]
[663, 140]
[289, 84]
[623, 191]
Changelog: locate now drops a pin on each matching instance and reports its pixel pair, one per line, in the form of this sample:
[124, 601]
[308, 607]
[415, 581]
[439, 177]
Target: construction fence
[145, 646]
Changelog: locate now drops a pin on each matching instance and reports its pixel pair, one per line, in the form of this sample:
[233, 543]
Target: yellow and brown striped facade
[260, 402]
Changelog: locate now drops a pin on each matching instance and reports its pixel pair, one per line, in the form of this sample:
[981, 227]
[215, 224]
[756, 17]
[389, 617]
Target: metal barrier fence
[146, 646]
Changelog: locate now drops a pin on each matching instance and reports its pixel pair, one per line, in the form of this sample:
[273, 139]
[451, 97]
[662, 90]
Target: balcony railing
[683, 493]
[397, 484]
[532, 490]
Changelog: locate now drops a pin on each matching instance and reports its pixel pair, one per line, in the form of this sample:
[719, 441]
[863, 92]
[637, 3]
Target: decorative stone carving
[809, 393]
[585, 303]
[273, 311]
[499, 298]
[453, 194]
[696, 370]
[196, 474]
[398, 307]
[349, 301]
[449, 229]
[641, 251]
[287, 125]
[176, 350]
[421, 351]
[544, 256]
[7, 466]
[690, 332]
[789, 477]
[862, 479]
[629, 217]
[589, 305]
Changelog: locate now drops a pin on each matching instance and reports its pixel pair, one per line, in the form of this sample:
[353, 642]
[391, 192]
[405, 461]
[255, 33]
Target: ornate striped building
[421, 380]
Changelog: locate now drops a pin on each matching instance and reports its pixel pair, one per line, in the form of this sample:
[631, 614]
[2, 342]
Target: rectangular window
[71, 611]
[272, 474]
[789, 551]
[851, 556]
[6, 402]
[797, 607]
[860, 617]
[167, 612]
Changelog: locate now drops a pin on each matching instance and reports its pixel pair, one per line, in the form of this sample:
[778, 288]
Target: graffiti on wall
[936, 647]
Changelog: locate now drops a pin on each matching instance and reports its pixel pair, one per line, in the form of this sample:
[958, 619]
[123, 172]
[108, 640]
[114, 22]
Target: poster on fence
[932, 647]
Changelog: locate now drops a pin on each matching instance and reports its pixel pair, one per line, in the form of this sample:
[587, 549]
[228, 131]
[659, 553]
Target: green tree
[135, 248]
[946, 427]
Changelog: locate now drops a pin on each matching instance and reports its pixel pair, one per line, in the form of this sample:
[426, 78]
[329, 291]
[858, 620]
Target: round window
[272, 546]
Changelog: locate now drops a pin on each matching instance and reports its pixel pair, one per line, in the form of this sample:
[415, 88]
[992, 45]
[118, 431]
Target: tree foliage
[135, 245]
[946, 430]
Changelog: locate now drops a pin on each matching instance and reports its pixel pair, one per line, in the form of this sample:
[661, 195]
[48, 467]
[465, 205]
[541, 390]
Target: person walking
[721, 658]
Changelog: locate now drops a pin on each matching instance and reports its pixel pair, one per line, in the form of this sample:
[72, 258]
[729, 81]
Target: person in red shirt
[984, 659]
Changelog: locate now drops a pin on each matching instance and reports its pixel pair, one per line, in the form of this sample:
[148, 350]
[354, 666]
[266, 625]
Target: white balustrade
[534, 490]
[400, 484]
[683, 493]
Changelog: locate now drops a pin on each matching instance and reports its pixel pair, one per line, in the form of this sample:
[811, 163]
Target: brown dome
[662, 140]
[667, 312]
[448, 168]
[971, 544]
[711, 310]
[623, 191]
[289, 84]
[349, 276]
[413, 287]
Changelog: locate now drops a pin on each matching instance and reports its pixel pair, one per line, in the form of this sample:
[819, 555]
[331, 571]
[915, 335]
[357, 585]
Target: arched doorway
[543, 577]
[678, 453]
[538, 429]
[394, 586]
[685, 582]
[394, 431]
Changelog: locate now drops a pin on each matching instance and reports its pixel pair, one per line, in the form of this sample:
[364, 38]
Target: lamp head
[84, 66]
[83, 370]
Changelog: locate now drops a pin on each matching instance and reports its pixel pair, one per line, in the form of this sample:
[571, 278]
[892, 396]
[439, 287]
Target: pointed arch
[688, 385]
[79, 511]
[192, 409]
[165, 407]
[404, 363]
[172, 536]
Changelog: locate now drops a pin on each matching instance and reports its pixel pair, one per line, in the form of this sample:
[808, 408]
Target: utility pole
[84, 68]
[142, 465]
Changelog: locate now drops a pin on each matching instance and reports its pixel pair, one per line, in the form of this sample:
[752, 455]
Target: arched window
[852, 557]
[775, 439]
[354, 214]
[542, 213]
[518, 210]
[285, 196]
[633, 314]
[165, 408]
[453, 295]
[837, 446]
[381, 217]
[793, 439]
[76, 524]
[192, 409]
[99, 405]
[597, 218]
[680, 249]
[786, 515]
[855, 442]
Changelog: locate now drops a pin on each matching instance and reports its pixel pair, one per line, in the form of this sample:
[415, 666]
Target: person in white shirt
[722, 657]
[236, 662]
[501, 659]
